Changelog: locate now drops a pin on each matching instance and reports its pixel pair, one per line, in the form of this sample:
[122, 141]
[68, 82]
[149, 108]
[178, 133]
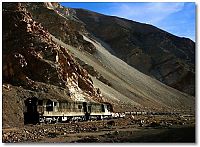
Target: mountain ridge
[141, 44]
[48, 55]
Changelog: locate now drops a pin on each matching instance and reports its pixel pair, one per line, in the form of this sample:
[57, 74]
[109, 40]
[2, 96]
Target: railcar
[54, 111]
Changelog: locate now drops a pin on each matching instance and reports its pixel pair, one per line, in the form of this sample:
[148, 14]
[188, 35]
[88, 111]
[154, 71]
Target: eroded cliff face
[29, 55]
[62, 23]
[33, 63]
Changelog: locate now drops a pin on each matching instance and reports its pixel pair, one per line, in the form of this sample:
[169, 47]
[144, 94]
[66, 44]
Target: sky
[177, 18]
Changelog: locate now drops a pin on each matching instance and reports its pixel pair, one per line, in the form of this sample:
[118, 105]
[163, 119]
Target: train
[55, 111]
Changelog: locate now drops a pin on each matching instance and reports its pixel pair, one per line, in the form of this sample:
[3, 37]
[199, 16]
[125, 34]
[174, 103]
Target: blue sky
[177, 18]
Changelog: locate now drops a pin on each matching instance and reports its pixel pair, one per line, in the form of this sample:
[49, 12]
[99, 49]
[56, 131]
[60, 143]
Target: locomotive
[54, 111]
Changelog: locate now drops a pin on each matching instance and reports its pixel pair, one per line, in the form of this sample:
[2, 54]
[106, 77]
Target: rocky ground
[139, 128]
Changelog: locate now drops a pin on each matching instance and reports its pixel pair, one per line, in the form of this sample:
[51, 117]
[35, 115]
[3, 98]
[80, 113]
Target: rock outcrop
[34, 65]
[66, 28]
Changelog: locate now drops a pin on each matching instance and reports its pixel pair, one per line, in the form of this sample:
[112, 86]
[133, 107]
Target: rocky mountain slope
[34, 65]
[69, 26]
[159, 54]
[48, 52]
[86, 61]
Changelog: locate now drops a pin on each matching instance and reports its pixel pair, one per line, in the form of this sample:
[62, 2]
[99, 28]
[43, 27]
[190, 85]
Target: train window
[102, 108]
[79, 107]
[49, 105]
[64, 105]
[89, 109]
[84, 106]
[109, 107]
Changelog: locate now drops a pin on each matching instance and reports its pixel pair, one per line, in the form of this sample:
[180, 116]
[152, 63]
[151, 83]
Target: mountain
[157, 53]
[48, 51]
[35, 66]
